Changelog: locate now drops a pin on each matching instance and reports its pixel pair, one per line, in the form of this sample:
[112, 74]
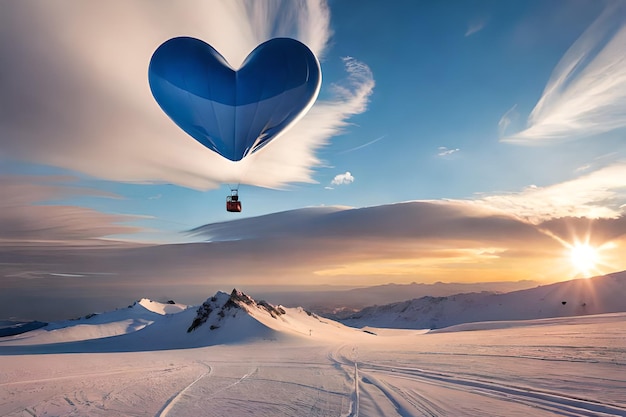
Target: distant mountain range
[236, 318]
[343, 302]
[604, 294]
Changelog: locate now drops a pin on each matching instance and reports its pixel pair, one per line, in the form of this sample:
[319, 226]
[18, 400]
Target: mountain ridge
[222, 319]
[584, 296]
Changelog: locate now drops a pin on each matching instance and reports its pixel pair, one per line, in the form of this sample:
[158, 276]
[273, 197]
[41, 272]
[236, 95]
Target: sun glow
[584, 258]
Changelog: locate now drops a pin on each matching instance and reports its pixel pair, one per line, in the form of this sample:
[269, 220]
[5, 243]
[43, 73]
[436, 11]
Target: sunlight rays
[587, 259]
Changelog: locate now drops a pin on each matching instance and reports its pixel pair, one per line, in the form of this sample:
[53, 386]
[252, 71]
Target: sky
[456, 141]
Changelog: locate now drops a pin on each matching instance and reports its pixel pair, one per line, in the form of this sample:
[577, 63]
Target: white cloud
[475, 26]
[444, 151]
[365, 145]
[24, 220]
[340, 179]
[586, 93]
[69, 107]
[599, 194]
[510, 117]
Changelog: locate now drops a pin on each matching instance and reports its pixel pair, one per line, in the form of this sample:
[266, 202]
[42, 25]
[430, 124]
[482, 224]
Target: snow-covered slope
[10, 327]
[605, 294]
[148, 325]
[160, 308]
[237, 318]
[140, 314]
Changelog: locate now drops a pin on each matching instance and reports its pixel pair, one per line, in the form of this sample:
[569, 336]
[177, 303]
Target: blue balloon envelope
[234, 112]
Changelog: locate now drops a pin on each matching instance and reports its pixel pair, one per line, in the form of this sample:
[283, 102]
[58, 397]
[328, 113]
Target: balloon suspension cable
[234, 192]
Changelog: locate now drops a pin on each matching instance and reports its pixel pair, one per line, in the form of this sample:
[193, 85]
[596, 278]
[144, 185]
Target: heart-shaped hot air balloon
[234, 112]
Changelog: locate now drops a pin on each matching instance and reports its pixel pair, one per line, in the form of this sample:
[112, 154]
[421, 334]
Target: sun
[584, 258]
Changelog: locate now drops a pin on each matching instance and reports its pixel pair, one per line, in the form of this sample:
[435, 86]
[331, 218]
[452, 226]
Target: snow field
[254, 363]
[574, 368]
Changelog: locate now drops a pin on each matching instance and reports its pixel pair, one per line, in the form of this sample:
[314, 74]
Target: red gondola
[232, 202]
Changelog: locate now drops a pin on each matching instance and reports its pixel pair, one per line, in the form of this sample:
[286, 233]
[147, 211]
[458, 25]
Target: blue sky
[515, 108]
[445, 74]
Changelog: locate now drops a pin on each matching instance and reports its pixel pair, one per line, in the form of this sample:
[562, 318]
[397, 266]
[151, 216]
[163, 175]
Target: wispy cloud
[356, 148]
[24, 220]
[341, 179]
[475, 26]
[598, 194]
[586, 93]
[513, 236]
[444, 151]
[510, 117]
[107, 112]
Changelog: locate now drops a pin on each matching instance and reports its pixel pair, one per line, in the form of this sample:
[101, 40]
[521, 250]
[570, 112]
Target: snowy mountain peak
[169, 307]
[238, 297]
[244, 301]
[222, 305]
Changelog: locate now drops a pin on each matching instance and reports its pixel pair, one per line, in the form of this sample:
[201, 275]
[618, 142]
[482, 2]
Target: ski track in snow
[334, 356]
[374, 386]
[271, 388]
[541, 400]
[410, 403]
[573, 367]
[167, 407]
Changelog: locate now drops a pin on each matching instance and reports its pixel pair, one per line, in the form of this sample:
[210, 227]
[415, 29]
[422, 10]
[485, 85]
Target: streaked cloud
[342, 179]
[305, 243]
[510, 117]
[586, 93]
[365, 145]
[444, 151]
[107, 112]
[21, 190]
[493, 238]
[428, 221]
[475, 26]
[598, 194]
[25, 220]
